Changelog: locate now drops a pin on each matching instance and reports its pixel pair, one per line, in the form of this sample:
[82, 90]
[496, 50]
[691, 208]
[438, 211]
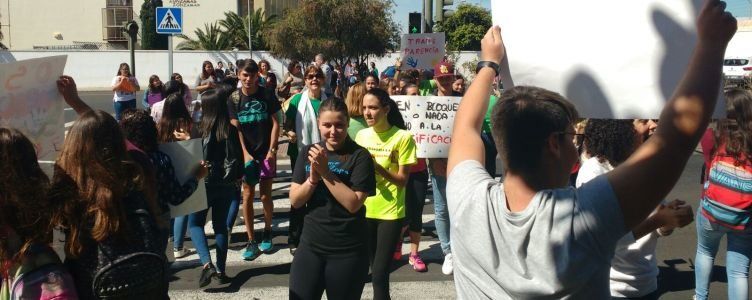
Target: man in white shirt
[533, 236]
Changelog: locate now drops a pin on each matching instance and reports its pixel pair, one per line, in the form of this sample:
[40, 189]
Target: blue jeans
[737, 258]
[232, 213]
[121, 106]
[179, 227]
[438, 184]
[219, 199]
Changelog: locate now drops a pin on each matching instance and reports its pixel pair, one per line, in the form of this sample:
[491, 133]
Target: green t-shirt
[487, 120]
[390, 149]
[290, 117]
[356, 124]
[427, 87]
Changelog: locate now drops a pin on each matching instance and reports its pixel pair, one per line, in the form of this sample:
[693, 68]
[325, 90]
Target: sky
[739, 8]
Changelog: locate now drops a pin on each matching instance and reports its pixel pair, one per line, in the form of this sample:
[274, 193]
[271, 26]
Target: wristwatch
[273, 150]
[484, 63]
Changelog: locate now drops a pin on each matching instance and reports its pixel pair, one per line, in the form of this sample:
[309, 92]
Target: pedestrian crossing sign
[169, 20]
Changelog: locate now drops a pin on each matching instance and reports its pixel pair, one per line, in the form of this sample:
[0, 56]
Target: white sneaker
[180, 253]
[448, 267]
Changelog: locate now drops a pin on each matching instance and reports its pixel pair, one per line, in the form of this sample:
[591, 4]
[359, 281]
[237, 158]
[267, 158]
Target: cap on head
[443, 68]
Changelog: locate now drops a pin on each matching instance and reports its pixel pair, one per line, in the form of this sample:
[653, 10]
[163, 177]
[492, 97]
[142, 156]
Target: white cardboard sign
[430, 120]
[422, 51]
[30, 102]
[186, 156]
[612, 59]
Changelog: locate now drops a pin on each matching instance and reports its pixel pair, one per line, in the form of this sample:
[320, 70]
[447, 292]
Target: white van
[737, 71]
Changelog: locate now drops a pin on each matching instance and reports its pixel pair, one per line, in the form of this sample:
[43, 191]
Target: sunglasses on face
[312, 76]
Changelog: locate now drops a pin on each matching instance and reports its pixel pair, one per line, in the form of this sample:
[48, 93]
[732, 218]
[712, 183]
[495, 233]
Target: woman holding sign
[125, 87]
[333, 178]
[393, 150]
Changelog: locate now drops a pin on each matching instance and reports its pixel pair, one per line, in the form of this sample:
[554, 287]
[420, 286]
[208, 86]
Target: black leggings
[415, 199]
[382, 240]
[297, 216]
[342, 275]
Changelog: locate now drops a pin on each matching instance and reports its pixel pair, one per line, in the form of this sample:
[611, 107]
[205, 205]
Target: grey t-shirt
[560, 246]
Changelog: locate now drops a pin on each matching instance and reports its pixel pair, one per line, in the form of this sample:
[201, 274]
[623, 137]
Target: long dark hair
[151, 88]
[174, 87]
[215, 116]
[24, 205]
[735, 132]
[174, 116]
[124, 65]
[92, 176]
[205, 75]
[140, 129]
[393, 116]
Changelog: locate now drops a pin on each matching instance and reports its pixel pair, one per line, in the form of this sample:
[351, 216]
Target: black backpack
[229, 169]
[134, 275]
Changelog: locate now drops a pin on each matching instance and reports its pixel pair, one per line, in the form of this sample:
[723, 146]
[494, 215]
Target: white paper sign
[430, 120]
[612, 59]
[186, 155]
[30, 102]
[422, 51]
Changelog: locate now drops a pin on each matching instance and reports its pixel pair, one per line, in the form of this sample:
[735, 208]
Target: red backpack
[727, 194]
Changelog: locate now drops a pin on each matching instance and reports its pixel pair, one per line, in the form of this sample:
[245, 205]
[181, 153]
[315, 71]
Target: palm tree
[211, 38]
[236, 27]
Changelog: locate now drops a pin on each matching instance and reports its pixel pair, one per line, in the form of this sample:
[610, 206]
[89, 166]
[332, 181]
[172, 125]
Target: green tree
[210, 38]
[339, 29]
[236, 27]
[466, 27]
[150, 40]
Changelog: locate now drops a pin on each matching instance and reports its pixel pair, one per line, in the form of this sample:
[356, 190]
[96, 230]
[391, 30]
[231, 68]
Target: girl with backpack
[224, 157]
[394, 151]
[726, 202]
[112, 242]
[29, 268]
[333, 178]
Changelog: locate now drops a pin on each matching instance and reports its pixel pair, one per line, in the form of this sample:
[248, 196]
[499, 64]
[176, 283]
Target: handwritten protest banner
[186, 156]
[422, 51]
[612, 59]
[30, 102]
[430, 120]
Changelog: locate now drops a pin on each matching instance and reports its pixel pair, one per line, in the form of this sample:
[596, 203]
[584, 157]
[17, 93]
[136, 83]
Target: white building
[95, 24]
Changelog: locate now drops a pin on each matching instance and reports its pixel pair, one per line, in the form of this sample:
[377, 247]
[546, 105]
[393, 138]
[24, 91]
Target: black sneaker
[223, 279]
[206, 275]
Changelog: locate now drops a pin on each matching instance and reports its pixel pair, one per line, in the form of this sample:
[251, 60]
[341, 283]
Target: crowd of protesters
[577, 214]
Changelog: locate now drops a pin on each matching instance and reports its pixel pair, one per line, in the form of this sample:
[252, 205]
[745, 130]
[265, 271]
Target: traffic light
[415, 22]
[439, 13]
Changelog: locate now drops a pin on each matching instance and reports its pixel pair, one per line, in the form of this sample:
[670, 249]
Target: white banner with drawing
[30, 102]
[422, 51]
[430, 120]
[612, 59]
[186, 157]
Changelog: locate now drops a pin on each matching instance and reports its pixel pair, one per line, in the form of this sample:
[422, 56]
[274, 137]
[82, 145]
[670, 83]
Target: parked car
[737, 71]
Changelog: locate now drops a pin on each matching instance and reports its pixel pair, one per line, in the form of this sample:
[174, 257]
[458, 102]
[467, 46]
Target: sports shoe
[398, 251]
[180, 253]
[447, 268]
[251, 251]
[222, 278]
[266, 241]
[417, 263]
[206, 275]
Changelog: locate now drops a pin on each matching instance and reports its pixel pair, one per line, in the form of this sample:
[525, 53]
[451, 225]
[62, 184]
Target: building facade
[96, 24]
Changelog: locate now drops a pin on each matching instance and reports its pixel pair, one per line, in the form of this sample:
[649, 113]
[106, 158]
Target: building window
[113, 19]
[115, 3]
[114, 16]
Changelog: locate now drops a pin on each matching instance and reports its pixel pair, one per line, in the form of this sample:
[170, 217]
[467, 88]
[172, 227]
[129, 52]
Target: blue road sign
[169, 20]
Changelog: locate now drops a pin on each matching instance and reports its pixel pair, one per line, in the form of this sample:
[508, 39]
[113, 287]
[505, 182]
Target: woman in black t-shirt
[333, 178]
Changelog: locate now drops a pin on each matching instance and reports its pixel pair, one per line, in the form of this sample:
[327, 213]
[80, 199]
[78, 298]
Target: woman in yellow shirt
[393, 150]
